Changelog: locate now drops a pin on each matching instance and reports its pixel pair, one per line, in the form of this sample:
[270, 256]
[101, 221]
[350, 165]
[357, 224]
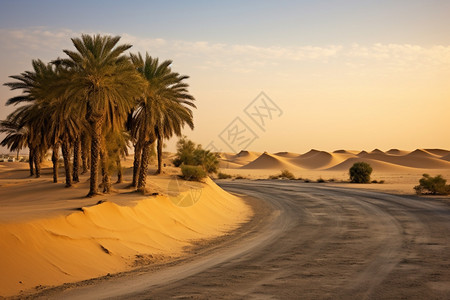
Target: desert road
[313, 242]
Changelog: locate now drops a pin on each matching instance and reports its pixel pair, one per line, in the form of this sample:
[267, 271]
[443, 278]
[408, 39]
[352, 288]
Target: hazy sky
[340, 74]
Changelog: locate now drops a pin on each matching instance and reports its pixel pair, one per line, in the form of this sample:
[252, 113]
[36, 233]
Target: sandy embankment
[69, 244]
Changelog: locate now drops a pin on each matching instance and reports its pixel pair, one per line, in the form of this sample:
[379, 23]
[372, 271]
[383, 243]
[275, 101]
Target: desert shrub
[306, 180]
[223, 175]
[207, 159]
[287, 174]
[381, 181]
[432, 185]
[320, 180]
[240, 177]
[193, 173]
[360, 172]
[188, 153]
[185, 152]
[374, 181]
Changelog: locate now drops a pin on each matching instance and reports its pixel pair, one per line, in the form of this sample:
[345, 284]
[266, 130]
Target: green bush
[207, 159]
[285, 174]
[223, 175]
[185, 152]
[432, 185]
[193, 173]
[189, 153]
[360, 172]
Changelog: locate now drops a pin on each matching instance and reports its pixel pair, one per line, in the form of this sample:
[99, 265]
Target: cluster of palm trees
[91, 105]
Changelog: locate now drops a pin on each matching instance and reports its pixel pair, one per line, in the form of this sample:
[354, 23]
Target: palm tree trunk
[84, 153]
[37, 162]
[119, 171]
[76, 159]
[55, 157]
[31, 159]
[159, 150]
[144, 165]
[136, 163]
[96, 131]
[66, 157]
[106, 179]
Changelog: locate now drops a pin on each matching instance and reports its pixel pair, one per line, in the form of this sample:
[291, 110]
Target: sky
[270, 75]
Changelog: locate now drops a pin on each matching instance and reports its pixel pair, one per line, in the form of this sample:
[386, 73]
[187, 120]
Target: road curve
[320, 242]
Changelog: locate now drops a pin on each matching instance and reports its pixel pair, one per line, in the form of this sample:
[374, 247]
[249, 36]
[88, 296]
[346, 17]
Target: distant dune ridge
[269, 161]
[393, 160]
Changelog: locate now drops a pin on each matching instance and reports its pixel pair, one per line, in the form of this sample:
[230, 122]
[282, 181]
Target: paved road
[319, 242]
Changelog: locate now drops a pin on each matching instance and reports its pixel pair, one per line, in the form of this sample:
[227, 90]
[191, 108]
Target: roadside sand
[50, 235]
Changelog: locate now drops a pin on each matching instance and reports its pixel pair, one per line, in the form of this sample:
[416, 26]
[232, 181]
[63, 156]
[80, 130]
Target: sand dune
[397, 152]
[310, 153]
[377, 151]
[416, 159]
[106, 238]
[319, 159]
[233, 161]
[438, 152]
[342, 151]
[378, 166]
[287, 154]
[420, 153]
[268, 161]
[446, 157]
[244, 157]
[362, 153]
[227, 164]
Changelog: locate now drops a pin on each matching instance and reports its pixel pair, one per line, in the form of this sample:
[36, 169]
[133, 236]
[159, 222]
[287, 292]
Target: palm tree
[30, 82]
[171, 124]
[31, 122]
[117, 146]
[16, 138]
[33, 86]
[85, 142]
[65, 124]
[64, 128]
[161, 112]
[104, 84]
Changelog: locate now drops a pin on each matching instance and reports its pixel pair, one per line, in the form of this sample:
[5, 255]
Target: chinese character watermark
[262, 109]
[238, 135]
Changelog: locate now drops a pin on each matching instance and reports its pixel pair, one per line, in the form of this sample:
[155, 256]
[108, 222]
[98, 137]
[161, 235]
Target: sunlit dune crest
[377, 151]
[392, 160]
[287, 154]
[362, 153]
[446, 157]
[438, 152]
[268, 161]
